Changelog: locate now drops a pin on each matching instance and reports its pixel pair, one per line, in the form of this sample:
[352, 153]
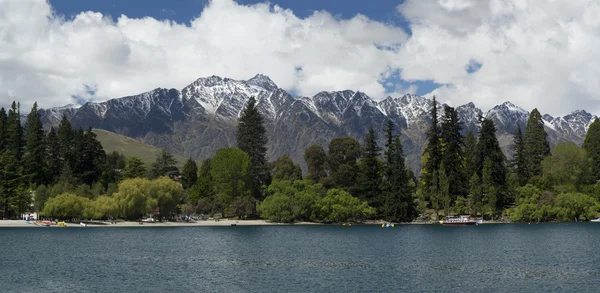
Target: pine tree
[453, 156]
[2, 130]
[519, 158]
[370, 172]
[189, 175]
[475, 194]
[432, 158]
[94, 158]
[34, 165]
[252, 138]
[134, 168]
[164, 165]
[66, 142]
[316, 159]
[470, 153]
[444, 190]
[489, 187]
[536, 143]
[10, 181]
[342, 156]
[591, 144]
[488, 148]
[53, 159]
[14, 131]
[398, 202]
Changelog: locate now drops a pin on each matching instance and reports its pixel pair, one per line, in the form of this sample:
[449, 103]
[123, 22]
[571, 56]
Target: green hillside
[131, 147]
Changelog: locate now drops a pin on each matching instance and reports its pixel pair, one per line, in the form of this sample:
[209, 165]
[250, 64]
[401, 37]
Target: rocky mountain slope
[202, 117]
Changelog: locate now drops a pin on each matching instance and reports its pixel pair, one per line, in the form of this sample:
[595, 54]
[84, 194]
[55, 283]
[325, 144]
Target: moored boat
[595, 220]
[460, 221]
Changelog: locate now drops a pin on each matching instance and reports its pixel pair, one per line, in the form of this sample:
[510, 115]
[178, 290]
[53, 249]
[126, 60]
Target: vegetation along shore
[65, 174]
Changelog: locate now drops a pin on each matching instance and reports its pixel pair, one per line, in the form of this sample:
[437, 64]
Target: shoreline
[207, 223]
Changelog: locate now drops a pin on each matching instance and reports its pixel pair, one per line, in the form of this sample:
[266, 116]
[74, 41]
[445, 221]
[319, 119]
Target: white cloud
[534, 53]
[49, 59]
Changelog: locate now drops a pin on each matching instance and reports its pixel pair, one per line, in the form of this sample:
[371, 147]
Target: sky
[534, 53]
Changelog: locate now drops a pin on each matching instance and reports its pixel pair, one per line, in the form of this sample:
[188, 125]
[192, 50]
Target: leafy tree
[316, 160]
[572, 206]
[102, 207]
[278, 207]
[41, 195]
[591, 144]
[340, 206]
[35, 155]
[453, 156]
[164, 165]
[285, 169]
[203, 187]
[370, 179]
[164, 194]
[66, 206]
[189, 176]
[341, 158]
[567, 165]
[252, 138]
[231, 173]
[53, 158]
[519, 157]
[132, 198]
[134, 168]
[243, 206]
[536, 145]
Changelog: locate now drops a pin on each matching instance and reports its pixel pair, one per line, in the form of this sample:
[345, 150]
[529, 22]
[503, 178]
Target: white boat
[595, 220]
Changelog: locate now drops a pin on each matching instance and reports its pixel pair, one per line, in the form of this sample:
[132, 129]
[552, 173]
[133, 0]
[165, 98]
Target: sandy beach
[207, 223]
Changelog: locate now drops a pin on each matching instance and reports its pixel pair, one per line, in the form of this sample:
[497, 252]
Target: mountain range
[201, 118]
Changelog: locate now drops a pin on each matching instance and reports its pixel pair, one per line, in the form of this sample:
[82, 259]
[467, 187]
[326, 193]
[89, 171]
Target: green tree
[453, 156]
[340, 206]
[341, 158]
[14, 131]
[132, 198]
[474, 198]
[189, 176]
[34, 165]
[470, 153]
[536, 145]
[164, 165]
[91, 157]
[370, 179]
[432, 156]
[66, 138]
[66, 206]
[444, 189]
[11, 181]
[488, 186]
[568, 165]
[164, 194]
[252, 138]
[591, 144]
[316, 160]
[488, 148]
[231, 173]
[285, 169]
[53, 159]
[396, 188]
[203, 187]
[519, 157]
[134, 168]
[575, 206]
[2, 130]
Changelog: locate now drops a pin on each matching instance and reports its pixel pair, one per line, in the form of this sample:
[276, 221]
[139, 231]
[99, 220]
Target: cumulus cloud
[50, 59]
[534, 53]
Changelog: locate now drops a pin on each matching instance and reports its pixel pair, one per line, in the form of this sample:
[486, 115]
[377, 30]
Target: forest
[64, 173]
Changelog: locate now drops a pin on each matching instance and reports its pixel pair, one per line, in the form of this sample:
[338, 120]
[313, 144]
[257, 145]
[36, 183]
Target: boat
[460, 221]
[597, 220]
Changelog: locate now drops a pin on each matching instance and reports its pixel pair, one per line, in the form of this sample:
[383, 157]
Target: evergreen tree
[189, 175]
[285, 169]
[444, 189]
[432, 156]
[11, 188]
[475, 194]
[14, 131]
[252, 138]
[134, 168]
[53, 159]
[398, 201]
[370, 172]
[591, 144]
[488, 148]
[164, 165]
[2, 130]
[453, 156]
[519, 158]
[536, 144]
[34, 165]
[489, 187]
[112, 171]
[470, 153]
[316, 159]
[66, 141]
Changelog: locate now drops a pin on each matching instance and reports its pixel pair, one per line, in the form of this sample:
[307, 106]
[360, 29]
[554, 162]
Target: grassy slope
[131, 147]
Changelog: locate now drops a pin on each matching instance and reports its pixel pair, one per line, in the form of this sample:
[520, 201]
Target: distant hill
[131, 147]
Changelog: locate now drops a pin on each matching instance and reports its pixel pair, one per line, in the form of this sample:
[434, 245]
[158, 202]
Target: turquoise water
[412, 258]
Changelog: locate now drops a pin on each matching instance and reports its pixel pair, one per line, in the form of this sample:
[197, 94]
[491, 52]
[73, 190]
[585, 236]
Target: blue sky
[183, 11]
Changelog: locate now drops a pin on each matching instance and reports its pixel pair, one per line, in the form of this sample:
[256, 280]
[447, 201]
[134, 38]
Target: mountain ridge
[200, 118]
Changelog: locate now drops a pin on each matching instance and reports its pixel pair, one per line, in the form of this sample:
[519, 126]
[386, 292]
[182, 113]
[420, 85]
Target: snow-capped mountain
[202, 117]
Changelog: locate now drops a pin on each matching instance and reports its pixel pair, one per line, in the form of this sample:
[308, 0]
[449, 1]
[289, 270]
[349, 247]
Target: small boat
[595, 220]
[460, 221]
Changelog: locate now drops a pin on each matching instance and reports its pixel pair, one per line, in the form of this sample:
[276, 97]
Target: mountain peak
[263, 81]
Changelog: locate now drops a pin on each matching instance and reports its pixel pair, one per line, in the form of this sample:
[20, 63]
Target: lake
[408, 258]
